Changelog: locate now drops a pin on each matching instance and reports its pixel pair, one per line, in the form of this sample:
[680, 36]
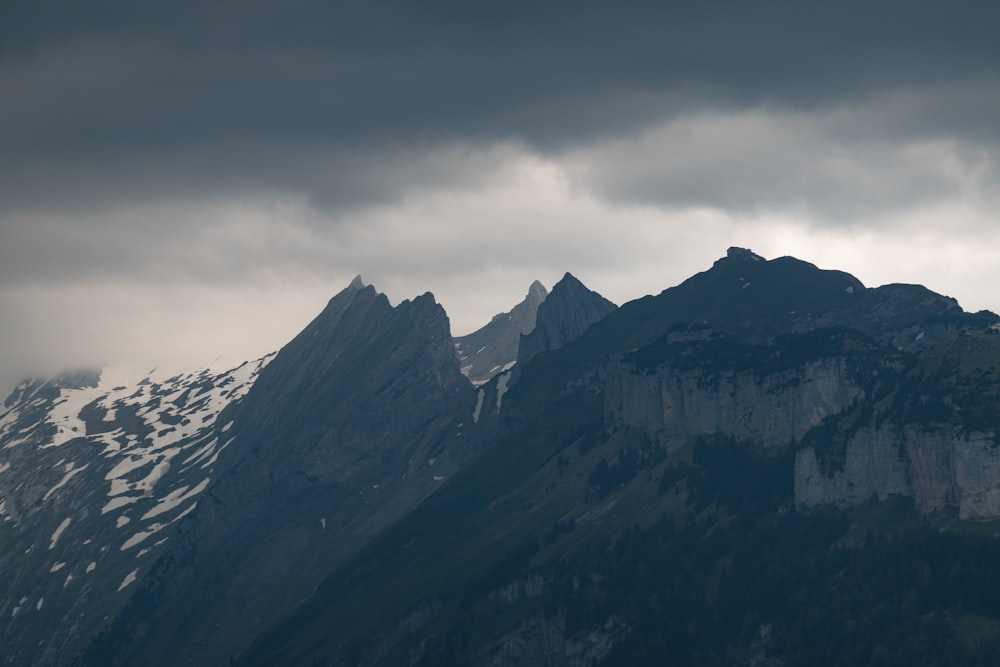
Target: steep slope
[638, 505]
[94, 478]
[492, 349]
[565, 314]
[569, 311]
[354, 422]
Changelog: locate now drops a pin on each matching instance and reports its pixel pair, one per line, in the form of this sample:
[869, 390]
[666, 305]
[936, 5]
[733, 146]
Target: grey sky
[191, 180]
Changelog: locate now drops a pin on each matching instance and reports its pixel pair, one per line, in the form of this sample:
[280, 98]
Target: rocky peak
[568, 311]
[743, 254]
[537, 292]
[354, 422]
[492, 349]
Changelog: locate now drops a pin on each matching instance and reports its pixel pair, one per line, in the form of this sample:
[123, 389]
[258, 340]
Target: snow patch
[121, 521]
[175, 498]
[120, 501]
[5, 467]
[41, 601]
[479, 406]
[91, 567]
[129, 578]
[70, 472]
[201, 453]
[58, 533]
[140, 536]
[501, 388]
[65, 414]
[56, 567]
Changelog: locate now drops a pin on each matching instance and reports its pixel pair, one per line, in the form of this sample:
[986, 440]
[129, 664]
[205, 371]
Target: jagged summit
[355, 420]
[357, 283]
[743, 253]
[568, 311]
[492, 349]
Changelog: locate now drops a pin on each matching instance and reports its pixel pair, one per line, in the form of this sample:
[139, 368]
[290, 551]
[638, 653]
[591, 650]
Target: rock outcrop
[770, 411]
[568, 311]
[492, 349]
[937, 468]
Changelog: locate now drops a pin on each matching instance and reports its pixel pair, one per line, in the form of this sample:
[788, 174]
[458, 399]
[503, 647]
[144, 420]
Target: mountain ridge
[635, 418]
[360, 463]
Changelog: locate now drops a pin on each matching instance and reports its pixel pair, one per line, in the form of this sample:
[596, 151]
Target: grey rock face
[567, 312]
[356, 421]
[937, 468]
[492, 349]
[770, 411]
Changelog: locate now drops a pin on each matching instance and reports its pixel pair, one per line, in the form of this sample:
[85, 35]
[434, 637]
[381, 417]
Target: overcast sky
[189, 182]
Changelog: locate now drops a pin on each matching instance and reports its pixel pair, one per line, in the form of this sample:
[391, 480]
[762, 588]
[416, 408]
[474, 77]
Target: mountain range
[769, 463]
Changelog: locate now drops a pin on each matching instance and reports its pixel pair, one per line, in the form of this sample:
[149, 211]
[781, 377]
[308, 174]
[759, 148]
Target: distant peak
[538, 291]
[743, 253]
[357, 283]
[568, 280]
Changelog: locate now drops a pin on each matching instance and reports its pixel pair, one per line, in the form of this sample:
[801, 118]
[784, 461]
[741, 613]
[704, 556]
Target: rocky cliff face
[864, 420]
[770, 410]
[937, 468]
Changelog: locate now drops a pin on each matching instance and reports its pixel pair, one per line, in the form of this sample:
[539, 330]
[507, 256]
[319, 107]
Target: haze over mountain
[700, 475]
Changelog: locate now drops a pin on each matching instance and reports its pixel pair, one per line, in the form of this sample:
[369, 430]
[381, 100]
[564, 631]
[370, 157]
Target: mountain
[351, 425]
[766, 464]
[563, 317]
[493, 348]
[94, 480]
[769, 463]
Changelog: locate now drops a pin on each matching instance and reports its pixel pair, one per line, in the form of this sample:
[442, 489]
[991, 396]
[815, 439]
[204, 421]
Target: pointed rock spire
[567, 312]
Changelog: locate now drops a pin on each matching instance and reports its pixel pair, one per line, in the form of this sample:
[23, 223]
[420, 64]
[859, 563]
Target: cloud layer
[187, 181]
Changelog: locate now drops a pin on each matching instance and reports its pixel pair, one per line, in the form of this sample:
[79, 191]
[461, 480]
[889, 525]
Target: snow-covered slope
[94, 479]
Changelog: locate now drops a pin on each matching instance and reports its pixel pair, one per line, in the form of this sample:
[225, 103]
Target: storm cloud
[180, 181]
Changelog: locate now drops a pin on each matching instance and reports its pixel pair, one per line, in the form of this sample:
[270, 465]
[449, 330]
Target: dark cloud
[829, 166]
[159, 157]
[128, 100]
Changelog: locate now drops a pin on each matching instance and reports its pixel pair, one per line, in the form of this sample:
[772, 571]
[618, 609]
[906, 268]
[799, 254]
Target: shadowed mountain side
[356, 420]
[639, 505]
[569, 310]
